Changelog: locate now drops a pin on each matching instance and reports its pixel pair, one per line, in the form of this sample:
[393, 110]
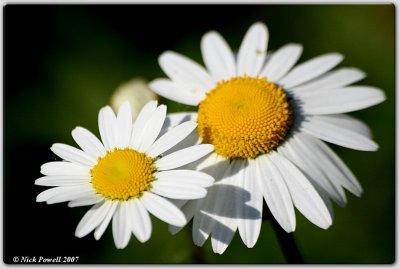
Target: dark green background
[62, 64]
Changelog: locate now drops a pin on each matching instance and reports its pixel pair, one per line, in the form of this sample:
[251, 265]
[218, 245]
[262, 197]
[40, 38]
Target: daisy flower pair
[260, 126]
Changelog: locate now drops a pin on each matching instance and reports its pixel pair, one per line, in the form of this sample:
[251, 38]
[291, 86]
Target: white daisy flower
[125, 176]
[266, 120]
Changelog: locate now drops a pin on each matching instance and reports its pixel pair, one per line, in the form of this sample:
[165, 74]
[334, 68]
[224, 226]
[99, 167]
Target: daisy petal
[281, 62]
[188, 209]
[171, 138]
[121, 225]
[179, 92]
[163, 209]
[47, 194]
[82, 192]
[141, 224]
[70, 191]
[72, 154]
[298, 152]
[347, 122]
[216, 166]
[337, 134]
[64, 169]
[103, 225]
[253, 50]
[303, 194]
[153, 128]
[141, 121]
[178, 203]
[88, 142]
[124, 125]
[275, 193]
[188, 177]
[87, 200]
[191, 140]
[174, 119]
[62, 180]
[343, 100]
[310, 69]
[249, 224]
[333, 164]
[202, 222]
[92, 218]
[218, 56]
[177, 190]
[225, 210]
[184, 70]
[327, 202]
[107, 122]
[333, 80]
[183, 156]
[222, 235]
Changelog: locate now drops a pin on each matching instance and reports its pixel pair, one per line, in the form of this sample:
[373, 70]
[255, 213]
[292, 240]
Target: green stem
[197, 252]
[288, 245]
[286, 240]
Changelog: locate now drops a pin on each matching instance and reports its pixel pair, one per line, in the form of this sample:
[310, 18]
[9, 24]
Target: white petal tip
[143, 239]
[298, 45]
[198, 244]
[190, 124]
[210, 181]
[180, 222]
[153, 103]
[221, 249]
[42, 197]
[326, 226]
[97, 236]
[174, 229]
[78, 128]
[371, 147]
[163, 107]
[79, 235]
[383, 96]
[208, 147]
[289, 229]
[250, 244]
[210, 34]
[325, 223]
[152, 83]
[55, 145]
[337, 55]
[165, 55]
[200, 194]
[259, 25]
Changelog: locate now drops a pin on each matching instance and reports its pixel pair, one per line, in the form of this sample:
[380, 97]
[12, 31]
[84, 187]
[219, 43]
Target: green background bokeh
[62, 64]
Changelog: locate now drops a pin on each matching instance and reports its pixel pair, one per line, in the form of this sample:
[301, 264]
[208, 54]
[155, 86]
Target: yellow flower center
[244, 117]
[123, 174]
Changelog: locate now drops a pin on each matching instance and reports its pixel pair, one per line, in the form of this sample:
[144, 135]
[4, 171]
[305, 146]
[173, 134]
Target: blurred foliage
[62, 64]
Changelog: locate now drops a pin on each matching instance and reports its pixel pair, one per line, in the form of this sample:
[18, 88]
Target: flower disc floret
[123, 174]
[244, 117]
